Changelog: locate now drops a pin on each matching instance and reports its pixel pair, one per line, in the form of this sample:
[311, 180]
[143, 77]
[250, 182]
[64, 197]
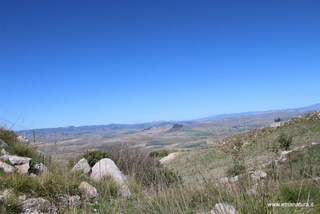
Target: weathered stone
[16, 160]
[234, 179]
[88, 192]
[74, 201]
[106, 167]
[224, 180]
[41, 168]
[23, 169]
[82, 165]
[5, 157]
[314, 144]
[38, 205]
[6, 167]
[221, 208]
[258, 175]
[5, 194]
[168, 157]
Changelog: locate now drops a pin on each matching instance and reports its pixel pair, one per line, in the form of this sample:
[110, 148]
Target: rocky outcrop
[82, 166]
[106, 167]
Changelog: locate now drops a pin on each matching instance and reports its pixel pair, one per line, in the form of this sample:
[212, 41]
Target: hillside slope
[212, 163]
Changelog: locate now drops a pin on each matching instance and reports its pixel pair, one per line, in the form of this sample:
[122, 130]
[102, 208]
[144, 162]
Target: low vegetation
[190, 183]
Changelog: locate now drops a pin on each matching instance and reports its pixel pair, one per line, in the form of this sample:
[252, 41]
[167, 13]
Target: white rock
[224, 180]
[5, 157]
[41, 168]
[4, 152]
[15, 160]
[82, 165]
[6, 167]
[88, 192]
[23, 169]
[221, 208]
[38, 205]
[284, 154]
[74, 201]
[168, 157]
[23, 139]
[106, 167]
[258, 175]
[314, 144]
[234, 179]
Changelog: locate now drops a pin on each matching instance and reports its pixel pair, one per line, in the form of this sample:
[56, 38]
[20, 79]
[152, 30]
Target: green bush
[163, 177]
[285, 141]
[94, 156]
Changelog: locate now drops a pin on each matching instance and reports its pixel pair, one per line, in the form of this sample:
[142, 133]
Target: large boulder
[82, 165]
[88, 192]
[106, 167]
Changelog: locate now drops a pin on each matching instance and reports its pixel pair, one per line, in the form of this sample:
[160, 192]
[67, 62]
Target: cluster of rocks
[103, 168]
[14, 163]
[88, 193]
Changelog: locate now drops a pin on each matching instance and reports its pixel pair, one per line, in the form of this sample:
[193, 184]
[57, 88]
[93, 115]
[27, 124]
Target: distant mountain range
[160, 134]
[301, 110]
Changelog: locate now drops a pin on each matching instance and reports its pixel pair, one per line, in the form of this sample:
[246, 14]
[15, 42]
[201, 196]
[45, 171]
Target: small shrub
[285, 141]
[94, 156]
[163, 177]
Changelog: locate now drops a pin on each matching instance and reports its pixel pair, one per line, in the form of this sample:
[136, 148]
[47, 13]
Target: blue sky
[96, 62]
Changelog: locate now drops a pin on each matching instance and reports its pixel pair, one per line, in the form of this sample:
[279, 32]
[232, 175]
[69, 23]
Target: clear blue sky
[81, 62]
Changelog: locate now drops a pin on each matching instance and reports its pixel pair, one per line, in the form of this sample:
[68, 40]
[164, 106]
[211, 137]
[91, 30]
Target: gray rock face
[221, 208]
[106, 167]
[88, 192]
[38, 206]
[6, 167]
[82, 165]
